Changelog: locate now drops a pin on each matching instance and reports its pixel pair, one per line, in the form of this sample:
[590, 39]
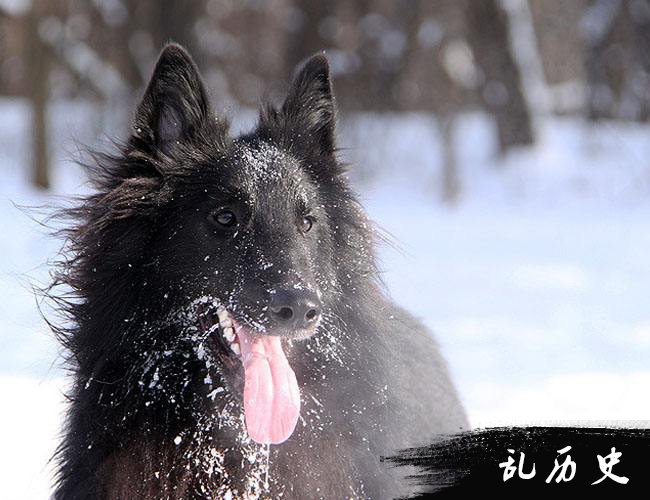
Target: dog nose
[295, 308]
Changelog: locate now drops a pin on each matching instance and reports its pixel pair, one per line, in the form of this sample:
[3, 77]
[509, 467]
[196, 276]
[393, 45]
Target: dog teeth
[229, 334]
[227, 329]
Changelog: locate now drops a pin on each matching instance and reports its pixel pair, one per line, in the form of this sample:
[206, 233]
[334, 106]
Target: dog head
[254, 238]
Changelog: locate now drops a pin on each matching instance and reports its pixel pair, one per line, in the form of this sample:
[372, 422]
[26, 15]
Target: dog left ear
[175, 104]
[307, 118]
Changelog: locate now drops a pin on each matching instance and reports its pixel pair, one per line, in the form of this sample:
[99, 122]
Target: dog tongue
[271, 395]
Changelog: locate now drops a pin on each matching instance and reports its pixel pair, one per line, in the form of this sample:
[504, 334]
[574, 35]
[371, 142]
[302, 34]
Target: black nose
[295, 308]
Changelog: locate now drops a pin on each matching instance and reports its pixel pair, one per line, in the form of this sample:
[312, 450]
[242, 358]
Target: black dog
[224, 297]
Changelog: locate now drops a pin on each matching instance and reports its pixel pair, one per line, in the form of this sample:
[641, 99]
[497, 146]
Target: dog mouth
[271, 397]
[218, 323]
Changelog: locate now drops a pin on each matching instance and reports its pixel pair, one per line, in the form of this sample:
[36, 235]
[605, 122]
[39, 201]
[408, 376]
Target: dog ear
[310, 104]
[175, 104]
[307, 118]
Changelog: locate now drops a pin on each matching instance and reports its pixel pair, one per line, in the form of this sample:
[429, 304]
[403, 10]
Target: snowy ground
[536, 284]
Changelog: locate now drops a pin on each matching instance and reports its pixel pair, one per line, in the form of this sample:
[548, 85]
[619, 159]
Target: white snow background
[536, 284]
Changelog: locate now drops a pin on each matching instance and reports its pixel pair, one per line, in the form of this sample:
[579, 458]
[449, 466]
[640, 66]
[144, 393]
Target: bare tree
[306, 38]
[618, 60]
[501, 91]
[37, 63]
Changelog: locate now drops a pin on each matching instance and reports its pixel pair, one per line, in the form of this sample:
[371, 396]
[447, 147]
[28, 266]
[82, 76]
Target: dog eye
[307, 223]
[224, 218]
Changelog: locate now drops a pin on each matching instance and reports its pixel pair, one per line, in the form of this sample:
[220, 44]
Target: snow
[535, 284]
[30, 422]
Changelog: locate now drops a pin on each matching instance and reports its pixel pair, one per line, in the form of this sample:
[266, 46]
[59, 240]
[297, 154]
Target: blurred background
[504, 144]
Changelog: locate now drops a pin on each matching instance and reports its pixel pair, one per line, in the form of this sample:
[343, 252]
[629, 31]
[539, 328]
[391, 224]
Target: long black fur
[153, 411]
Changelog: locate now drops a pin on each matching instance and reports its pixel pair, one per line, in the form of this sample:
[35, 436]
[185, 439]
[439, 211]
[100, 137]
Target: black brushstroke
[468, 463]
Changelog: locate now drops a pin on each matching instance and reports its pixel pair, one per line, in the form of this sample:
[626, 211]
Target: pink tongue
[271, 395]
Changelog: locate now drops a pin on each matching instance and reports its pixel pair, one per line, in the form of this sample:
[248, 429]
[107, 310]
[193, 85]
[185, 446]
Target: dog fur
[154, 411]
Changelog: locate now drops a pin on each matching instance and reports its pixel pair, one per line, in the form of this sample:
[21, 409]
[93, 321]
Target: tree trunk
[307, 40]
[501, 90]
[37, 83]
[608, 36]
[174, 20]
[618, 62]
[450, 192]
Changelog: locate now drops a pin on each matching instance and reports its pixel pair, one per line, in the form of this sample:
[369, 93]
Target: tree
[37, 63]
[617, 34]
[501, 88]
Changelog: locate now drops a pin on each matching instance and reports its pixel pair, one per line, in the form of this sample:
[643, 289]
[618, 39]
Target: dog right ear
[175, 105]
[306, 121]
